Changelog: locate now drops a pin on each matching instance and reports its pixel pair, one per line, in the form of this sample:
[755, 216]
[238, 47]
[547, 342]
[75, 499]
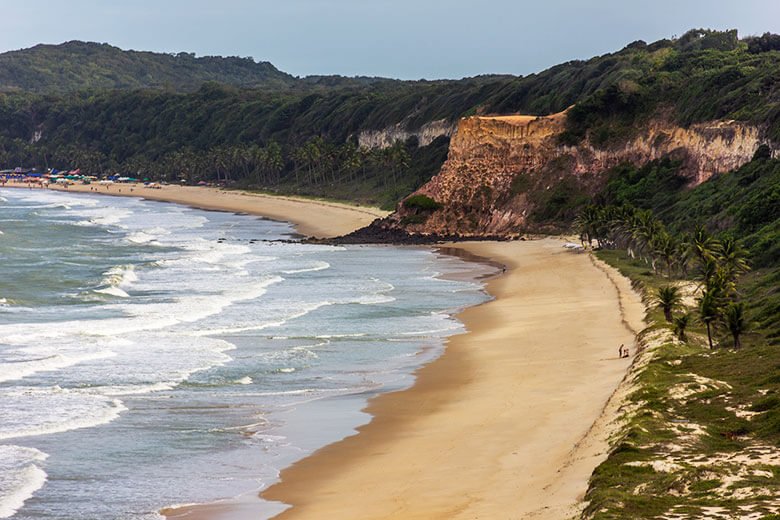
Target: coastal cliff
[501, 170]
[387, 137]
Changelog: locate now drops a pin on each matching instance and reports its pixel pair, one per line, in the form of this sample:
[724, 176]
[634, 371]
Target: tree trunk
[737, 342]
[709, 336]
[668, 315]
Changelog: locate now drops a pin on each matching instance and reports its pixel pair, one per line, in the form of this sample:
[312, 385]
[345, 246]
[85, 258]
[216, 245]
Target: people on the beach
[622, 351]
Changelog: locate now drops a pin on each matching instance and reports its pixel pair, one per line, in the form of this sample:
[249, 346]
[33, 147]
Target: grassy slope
[688, 410]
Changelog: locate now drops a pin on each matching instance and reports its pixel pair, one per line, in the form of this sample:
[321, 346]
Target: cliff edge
[503, 171]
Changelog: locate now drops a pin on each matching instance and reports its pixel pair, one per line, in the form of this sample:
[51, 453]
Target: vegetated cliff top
[698, 77]
[78, 65]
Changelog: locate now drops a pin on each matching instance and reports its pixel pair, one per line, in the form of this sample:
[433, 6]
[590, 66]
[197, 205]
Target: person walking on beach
[620, 351]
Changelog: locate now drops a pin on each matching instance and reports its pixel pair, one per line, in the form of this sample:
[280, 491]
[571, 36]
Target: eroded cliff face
[387, 137]
[500, 169]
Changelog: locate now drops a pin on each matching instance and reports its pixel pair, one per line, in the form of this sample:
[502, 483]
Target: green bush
[413, 219]
[421, 202]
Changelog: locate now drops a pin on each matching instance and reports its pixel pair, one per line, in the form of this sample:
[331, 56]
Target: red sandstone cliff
[498, 166]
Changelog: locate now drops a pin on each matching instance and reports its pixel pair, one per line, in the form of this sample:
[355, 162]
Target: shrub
[421, 202]
[413, 219]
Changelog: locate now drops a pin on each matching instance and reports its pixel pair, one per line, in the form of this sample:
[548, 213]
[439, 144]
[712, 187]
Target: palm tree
[668, 298]
[665, 248]
[682, 256]
[709, 311]
[706, 249]
[680, 325]
[733, 258]
[736, 322]
[586, 224]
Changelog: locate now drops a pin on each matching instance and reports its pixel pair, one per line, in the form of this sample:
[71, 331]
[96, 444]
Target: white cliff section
[387, 137]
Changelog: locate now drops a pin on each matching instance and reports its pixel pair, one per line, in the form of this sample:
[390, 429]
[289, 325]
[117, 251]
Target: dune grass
[701, 435]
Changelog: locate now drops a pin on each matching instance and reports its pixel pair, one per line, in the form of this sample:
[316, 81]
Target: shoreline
[313, 218]
[496, 427]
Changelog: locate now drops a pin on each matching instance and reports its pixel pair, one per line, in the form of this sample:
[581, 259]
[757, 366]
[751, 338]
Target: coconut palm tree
[704, 247]
[668, 298]
[665, 249]
[709, 311]
[587, 223]
[680, 325]
[733, 258]
[682, 256]
[734, 316]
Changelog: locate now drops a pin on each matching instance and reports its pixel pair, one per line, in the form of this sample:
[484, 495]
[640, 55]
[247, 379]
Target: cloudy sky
[408, 39]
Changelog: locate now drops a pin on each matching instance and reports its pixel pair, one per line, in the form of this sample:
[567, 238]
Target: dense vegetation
[245, 124]
[702, 427]
[79, 65]
[110, 111]
[705, 429]
[701, 76]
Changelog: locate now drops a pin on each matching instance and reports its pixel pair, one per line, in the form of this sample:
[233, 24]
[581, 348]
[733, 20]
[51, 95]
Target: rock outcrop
[500, 169]
[387, 137]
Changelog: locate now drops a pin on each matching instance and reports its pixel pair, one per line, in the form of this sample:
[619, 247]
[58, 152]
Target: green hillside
[79, 65]
[299, 136]
[108, 110]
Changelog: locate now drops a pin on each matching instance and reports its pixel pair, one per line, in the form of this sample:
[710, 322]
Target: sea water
[153, 354]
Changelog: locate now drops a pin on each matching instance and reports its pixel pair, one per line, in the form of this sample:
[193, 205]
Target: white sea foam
[294, 314]
[122, 390]
[20, 477]
[37, 411]
[141, 237]
[113, 291]
[11, 371]
[162, 345]
[318, 266]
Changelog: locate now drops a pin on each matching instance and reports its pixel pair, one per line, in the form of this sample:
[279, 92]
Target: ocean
[153, 354]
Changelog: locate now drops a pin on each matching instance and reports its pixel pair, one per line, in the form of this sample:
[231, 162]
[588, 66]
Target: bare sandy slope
[520, 119]
[311, 217]
[508, 423]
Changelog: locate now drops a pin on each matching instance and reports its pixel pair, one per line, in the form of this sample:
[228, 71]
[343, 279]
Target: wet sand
[322, 219]
[508, 423]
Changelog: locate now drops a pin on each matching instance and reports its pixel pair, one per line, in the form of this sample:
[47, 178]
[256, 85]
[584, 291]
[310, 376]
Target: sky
[408, 39]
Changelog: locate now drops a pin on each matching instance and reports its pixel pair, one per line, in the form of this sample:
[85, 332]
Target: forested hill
[80, 65]
[305, 136]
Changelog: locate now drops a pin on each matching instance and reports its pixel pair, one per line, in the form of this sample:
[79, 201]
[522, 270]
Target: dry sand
[508, 423]
[316, 218]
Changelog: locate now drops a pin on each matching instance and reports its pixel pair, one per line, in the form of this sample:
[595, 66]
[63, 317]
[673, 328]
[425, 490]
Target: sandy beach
[508, 423]
[322, 219]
